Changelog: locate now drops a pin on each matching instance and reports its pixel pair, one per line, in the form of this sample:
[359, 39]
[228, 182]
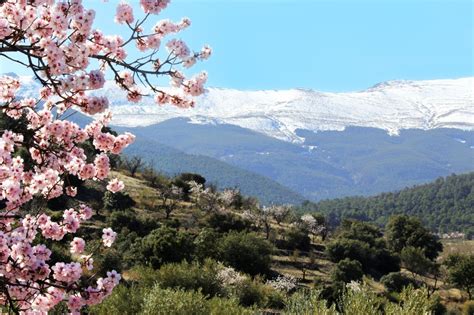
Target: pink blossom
[115, 185]
[124, 14]
[77, 245]
[71, 61]
[108, 237]
[154, 6]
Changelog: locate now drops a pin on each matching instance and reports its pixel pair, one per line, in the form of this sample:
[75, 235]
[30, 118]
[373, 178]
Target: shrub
[396, 281]
[181, 302]
[144, 276]
[109, 260]
[224, 222]
[297, 238]
[340, 249]
[191, 276]
[174, 302]
[246, 252]
[206, 244]
[163, 245]
[412, 301]
[117, 201]
[252, 292]
[128, 220]
[219, 306]
[123, 300]
[308, 302]
[360, 300]
[347, 270]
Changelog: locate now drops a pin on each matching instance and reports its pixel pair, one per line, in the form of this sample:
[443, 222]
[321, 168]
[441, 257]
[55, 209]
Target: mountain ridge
[392, 106]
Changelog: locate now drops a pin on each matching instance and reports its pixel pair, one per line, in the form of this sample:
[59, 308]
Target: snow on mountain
[392, 106]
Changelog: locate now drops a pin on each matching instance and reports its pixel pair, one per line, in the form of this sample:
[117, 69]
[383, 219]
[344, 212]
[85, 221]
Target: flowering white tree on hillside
[56, 41]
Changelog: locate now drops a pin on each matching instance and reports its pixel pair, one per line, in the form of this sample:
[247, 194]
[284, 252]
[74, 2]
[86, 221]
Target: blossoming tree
[56, 41]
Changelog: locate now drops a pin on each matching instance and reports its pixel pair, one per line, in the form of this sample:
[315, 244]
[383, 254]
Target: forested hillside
[445, 205]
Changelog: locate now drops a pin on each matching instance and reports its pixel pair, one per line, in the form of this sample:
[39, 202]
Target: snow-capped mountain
[391, 106]
[264, 141]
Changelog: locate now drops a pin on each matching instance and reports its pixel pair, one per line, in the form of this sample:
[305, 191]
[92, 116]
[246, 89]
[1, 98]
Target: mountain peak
[391, 106]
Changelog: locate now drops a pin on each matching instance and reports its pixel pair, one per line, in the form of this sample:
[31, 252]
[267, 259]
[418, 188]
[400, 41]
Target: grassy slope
[283, 262]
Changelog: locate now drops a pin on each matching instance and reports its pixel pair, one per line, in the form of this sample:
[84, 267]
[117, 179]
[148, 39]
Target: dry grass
[464, 247]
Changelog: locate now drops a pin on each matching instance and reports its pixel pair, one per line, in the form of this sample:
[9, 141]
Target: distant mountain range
[307, 144]
[391, 106]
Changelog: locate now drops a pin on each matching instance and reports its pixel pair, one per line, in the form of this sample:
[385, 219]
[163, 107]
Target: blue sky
[333, 45]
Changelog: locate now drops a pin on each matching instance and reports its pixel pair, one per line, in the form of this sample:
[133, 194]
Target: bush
[361, 300]
[163, 245]
[117, 201]
[180, 302]
[111, 259]
[123, 300]
[128, 220]
[297, 238]
[374, 259]
[308, 302]
[249, 293]
[206, 244]
[226, 222]
[174, 302]
[191, 276]
[347, 270]
[340, 249]
[254, 293]
[219, 306]
[413, 301]
[146, 277]
[395, 281]
[246, 252]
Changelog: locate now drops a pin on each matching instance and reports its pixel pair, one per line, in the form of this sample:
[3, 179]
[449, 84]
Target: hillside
[172, 162]
[152, 248]
[445, 205]
[331, 164]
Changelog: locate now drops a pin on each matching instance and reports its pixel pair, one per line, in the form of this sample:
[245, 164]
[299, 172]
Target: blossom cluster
[311, 224]
[285, 283]
[69, 58]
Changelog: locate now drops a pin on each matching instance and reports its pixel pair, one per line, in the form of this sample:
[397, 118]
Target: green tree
[347, 270]
[461, 272]
[403, 231]
[163, 245]
[363, 242]
[395, 281]
[297, 238]
[415, 261]
[207, 244]
[246, 252]
[117, 201]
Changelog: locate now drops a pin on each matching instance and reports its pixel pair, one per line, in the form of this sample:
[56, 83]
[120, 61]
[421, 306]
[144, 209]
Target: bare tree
[207, 199]
[154, 178]
[133, 164]
[280, 213]
[170, 197]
